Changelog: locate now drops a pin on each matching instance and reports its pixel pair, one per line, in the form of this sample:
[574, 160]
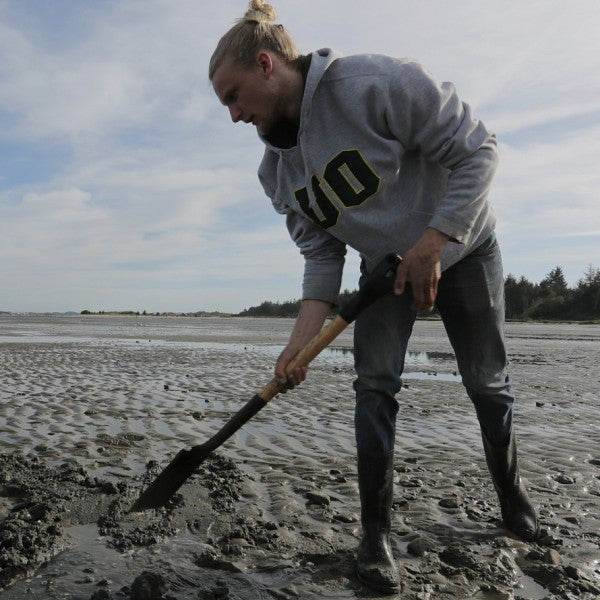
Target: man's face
[248, 93]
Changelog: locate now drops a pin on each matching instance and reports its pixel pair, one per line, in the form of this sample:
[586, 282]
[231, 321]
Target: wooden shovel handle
[379, 282]
[306, 355]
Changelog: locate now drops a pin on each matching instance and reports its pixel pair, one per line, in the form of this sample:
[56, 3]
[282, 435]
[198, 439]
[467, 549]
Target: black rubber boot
[518, 513]
[375, 563]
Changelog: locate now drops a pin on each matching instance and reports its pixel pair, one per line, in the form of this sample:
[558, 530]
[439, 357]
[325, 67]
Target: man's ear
[265, 63]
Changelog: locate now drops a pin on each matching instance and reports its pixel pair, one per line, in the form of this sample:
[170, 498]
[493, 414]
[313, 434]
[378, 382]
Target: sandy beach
[93, 407]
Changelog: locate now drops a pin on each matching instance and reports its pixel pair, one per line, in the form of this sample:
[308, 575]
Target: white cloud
[70, 206]
[536, 178]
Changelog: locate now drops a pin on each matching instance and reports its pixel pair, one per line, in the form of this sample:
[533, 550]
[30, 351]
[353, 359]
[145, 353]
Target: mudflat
[93, 407]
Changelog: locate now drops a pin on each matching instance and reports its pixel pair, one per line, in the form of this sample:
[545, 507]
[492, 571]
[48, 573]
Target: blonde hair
[254, 32]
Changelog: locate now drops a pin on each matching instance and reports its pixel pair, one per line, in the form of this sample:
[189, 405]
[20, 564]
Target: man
[371, 152]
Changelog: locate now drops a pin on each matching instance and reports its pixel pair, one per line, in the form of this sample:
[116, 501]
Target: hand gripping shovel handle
[379, 282]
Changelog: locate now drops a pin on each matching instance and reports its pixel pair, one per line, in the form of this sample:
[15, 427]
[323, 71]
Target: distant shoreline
[217, 314]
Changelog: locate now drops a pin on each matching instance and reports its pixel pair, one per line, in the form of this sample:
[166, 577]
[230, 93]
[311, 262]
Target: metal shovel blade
[187, 461]
[170, 479]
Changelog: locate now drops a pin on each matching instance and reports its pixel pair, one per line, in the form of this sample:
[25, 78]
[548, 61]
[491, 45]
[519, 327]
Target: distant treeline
[289, 308]
[143, 313]
[551, 299]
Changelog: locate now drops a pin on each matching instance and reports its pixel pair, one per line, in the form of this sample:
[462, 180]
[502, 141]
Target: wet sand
[92, 408]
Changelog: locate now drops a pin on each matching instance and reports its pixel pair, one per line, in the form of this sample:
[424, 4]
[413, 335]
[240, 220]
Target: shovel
[379, 282]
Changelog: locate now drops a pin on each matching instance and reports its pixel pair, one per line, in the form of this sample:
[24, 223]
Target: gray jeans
[471, 303]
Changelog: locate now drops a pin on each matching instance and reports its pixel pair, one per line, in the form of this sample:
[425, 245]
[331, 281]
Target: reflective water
[199, 333]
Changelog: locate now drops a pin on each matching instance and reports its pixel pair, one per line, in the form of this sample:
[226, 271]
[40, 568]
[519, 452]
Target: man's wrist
[435, 239]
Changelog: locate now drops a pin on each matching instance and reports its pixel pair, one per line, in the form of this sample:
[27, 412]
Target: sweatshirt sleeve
[429, 117]
[324, 255]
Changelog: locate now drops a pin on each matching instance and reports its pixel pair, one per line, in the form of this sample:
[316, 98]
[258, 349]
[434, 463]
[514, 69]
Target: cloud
[123, 182]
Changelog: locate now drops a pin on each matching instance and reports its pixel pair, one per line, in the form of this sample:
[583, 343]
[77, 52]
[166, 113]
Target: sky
[124, 184]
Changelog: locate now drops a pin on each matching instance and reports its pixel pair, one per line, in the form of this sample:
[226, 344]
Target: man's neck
[284, 133]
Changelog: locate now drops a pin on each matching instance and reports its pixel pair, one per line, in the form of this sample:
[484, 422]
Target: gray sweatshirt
[383, 151]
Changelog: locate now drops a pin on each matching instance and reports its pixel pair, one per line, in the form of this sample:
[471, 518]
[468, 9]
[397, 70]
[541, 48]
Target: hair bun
[260, 12]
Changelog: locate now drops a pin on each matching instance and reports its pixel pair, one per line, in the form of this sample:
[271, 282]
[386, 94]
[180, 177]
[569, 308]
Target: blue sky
[124, 185]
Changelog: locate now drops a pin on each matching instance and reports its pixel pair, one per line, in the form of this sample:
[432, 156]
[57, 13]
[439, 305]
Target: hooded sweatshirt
[383, 151]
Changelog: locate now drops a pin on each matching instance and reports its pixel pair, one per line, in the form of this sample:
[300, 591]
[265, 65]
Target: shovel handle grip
[306, 355]
[377, 283]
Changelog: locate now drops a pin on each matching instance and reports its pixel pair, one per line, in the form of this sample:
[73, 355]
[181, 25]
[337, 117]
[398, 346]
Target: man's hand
[297, 376]
[421, 267]
[310, 321]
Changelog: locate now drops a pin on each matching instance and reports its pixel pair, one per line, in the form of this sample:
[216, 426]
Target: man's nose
[236, 113]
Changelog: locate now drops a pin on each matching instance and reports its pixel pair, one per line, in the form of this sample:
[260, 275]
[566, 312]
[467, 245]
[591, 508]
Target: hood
[321, 60]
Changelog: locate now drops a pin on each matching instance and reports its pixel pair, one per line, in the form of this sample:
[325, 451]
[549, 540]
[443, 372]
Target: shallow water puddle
[432, 376]
[333, 355]
[80, 570]
[413, 359]
[528, 588]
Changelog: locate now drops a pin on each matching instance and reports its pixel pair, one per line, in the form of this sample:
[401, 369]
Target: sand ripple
[112, 395]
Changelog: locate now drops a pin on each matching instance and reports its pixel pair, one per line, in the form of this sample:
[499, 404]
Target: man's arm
[430, 118]
[309, 322]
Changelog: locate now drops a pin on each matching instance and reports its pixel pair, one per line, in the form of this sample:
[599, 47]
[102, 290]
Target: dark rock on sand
[149, 586]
